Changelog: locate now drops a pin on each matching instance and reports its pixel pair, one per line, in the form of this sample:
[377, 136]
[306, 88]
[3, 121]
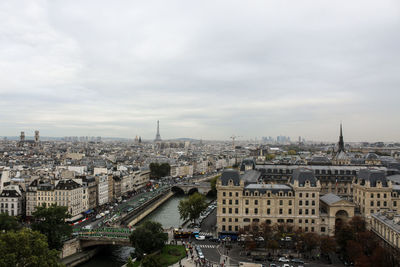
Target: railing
[117, 233]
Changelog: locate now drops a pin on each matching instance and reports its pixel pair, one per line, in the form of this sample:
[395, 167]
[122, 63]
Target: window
[230, 219]
[306, 211]
[306, 220]
[224, 194]
[372, 203]
[280, 211]
[236, 228]
[312, 221]
[384, 195]
[268, 211]
[300, 220]
[237, 194]
[313, 203]
[223, 210]
[301, 202]
[307, 202]
[378, 195]
[313, 211]
[247, 202]
[323, 229]
[230, 194]
[384, 203]
[223, 202]
[236, 202]
[307, 195]
[281, 202]
[255, 211]
[246, 211]
[313, 194]
[300, 211]
[236, 219]
[230, 201]
[378, 203]
[230, 210]
[255, 202]
[290, 211]
[223, 228]
[223, 219]
[394, 203]
[372, 195]
[268, 202]
[290, 202]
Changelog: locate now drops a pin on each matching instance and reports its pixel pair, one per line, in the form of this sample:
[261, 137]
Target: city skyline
[260, 69]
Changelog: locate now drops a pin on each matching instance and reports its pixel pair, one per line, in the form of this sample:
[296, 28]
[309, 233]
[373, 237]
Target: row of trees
[352, 240]
[158, 170]
[38, 246]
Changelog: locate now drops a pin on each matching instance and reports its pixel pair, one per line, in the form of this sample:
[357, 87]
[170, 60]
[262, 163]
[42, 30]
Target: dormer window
[256, 193]
[247, 193]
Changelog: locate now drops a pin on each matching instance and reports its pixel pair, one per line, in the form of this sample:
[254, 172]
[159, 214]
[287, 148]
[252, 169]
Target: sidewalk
[192, 260]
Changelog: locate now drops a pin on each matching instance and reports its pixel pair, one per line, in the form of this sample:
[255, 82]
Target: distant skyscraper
[37, 136]
[158, 136]
[22, 137]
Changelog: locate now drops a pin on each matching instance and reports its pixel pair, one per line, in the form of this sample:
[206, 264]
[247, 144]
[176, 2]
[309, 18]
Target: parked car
[200, 237]
[298, 261]
[283, 259]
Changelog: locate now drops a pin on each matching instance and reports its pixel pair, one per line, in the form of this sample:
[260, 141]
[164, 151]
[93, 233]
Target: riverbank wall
[150, 208]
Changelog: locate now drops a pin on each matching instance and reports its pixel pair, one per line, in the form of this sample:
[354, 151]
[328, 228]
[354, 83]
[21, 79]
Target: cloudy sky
[205, 69]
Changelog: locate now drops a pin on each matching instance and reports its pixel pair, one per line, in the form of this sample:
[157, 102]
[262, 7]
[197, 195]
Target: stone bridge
[190, 188]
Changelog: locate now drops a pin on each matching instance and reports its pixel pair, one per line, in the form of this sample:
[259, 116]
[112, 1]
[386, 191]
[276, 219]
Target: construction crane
[233, 137]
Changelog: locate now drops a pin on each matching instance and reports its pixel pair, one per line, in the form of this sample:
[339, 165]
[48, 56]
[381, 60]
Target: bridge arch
[177, 190]
[341, 217]
[193, 190]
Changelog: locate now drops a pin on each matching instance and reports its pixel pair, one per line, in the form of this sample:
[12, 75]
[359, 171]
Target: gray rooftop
[330, 198]
[263, 188]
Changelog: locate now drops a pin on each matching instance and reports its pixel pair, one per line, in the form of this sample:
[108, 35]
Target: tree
[310, 241]
[158, 170]
[191, 207]
[51, 222]
[213, 184]
[148, 238]
[358, 224]
[328, 245]
[26, 248]
[292, 152]
[269, 157]
[8, 223]
[150, 261]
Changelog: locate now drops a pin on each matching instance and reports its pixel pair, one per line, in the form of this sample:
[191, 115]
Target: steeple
[341, 142]
[158, 136]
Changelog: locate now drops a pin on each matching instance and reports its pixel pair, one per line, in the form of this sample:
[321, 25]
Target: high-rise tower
[22, 137]
[37, 136]
[158, 136]
[341, 142]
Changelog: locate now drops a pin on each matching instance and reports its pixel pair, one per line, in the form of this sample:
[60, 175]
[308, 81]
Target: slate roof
[251, 176]
[67, 185]
[372, 176]
[394, 178]
[396, 188]
[10, 193]
[302, 175]
[228, 175]
[263, 188]
[330, 198]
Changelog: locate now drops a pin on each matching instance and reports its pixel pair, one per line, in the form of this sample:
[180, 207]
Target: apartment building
[11, 200]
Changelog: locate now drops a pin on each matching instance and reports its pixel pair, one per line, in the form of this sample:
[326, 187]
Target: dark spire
[341, 142]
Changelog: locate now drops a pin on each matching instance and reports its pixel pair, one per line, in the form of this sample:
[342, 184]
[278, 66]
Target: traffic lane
[209, 250]
[209, 223]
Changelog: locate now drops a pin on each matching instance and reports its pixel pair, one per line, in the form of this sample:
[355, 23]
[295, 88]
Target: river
[115, 256]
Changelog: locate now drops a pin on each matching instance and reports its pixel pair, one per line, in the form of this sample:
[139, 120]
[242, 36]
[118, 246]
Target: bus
[180, 233]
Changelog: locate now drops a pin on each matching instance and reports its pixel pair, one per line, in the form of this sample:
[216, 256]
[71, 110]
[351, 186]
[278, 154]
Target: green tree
[26, 248]
[150, 261]
[292, 152]
[158, 170]
[213, 184]
[148, 238]
[8, 222]
[51, 222]
[269, 157]
[191, 207]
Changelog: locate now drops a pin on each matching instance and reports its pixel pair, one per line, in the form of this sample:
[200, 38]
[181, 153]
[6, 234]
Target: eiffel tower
[158, 136]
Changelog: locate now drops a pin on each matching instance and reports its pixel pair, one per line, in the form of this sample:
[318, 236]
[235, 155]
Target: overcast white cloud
[205, 69]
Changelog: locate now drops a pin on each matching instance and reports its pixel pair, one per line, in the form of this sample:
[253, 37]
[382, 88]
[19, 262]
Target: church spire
[341, 142]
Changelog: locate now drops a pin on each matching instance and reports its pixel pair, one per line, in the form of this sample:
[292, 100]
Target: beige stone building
[374, 193]
[242, 201]
[387, 226]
